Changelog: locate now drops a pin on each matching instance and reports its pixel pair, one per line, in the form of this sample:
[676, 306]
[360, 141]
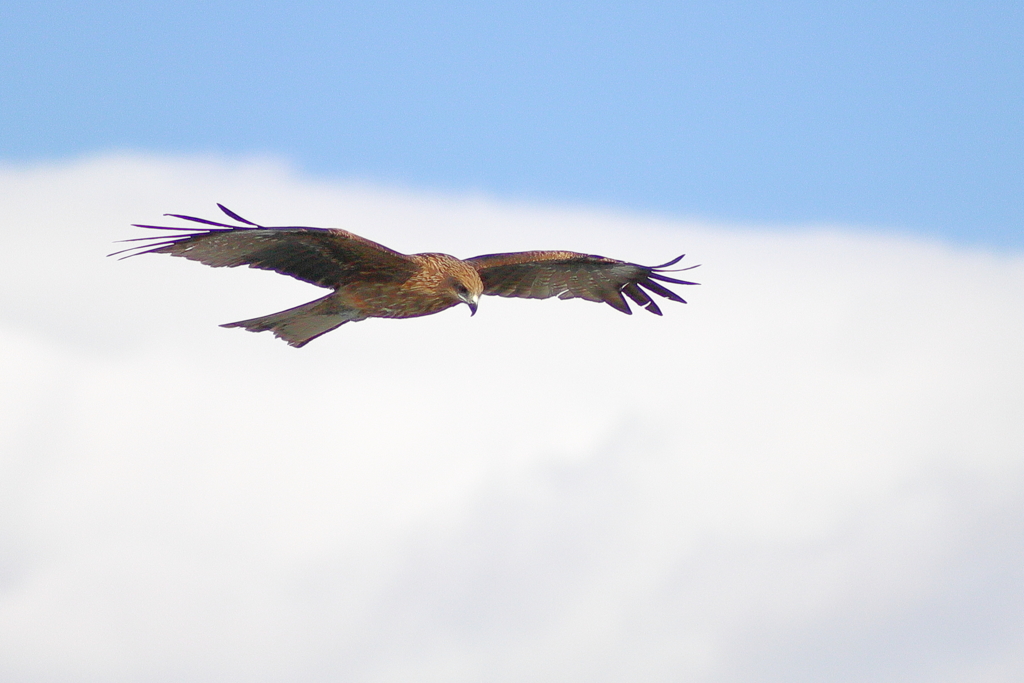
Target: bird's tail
[300, 325]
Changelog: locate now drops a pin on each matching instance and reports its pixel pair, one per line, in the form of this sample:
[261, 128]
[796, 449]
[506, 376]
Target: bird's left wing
[320, 256]
[568, 275]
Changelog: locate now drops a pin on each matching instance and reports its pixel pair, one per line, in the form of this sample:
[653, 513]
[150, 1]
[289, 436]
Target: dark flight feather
[324, 257]
[568, 275]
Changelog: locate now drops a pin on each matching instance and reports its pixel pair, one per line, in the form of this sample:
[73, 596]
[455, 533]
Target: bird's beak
[470, 301]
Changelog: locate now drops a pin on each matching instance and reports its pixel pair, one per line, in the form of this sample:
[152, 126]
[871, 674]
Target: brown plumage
[371, 281]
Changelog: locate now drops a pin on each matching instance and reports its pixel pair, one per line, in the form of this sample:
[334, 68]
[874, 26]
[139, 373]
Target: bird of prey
[371, 281]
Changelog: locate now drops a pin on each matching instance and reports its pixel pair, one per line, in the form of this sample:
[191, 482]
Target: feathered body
[370, 280]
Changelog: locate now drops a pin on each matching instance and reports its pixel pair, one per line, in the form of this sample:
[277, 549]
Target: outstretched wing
[569, 275]
[320, 256]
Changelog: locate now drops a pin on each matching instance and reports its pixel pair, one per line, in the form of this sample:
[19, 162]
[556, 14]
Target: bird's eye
[461, 288]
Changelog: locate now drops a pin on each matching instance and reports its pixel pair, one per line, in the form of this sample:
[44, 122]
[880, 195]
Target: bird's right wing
[570, 275]
[320, 256]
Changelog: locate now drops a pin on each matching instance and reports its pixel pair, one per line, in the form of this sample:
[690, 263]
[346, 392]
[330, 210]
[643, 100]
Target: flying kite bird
[371, 281]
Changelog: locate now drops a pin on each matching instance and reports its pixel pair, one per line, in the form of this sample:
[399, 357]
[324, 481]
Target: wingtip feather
[236, 217]
[674, 261]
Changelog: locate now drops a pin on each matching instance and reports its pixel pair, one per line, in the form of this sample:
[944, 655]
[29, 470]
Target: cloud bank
[811, 472]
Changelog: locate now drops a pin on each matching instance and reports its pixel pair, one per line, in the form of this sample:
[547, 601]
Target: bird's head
[465, 284]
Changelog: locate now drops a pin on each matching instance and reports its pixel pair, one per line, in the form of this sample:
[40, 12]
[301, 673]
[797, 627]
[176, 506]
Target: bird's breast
[405, 300]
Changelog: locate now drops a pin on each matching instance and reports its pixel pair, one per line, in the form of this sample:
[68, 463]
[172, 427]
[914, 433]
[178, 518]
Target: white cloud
[812, 472]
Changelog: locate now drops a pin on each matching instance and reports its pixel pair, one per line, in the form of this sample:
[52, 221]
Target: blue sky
[902, 116]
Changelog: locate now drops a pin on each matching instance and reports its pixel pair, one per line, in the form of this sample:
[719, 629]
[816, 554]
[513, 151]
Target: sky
[811, 471]
[900, 117]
